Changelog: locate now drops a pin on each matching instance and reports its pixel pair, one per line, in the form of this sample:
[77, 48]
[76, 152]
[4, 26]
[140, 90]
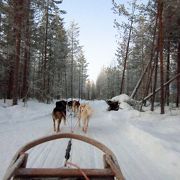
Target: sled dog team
[83, 112]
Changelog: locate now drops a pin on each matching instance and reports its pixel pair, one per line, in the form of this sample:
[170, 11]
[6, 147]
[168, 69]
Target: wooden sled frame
[17, 168]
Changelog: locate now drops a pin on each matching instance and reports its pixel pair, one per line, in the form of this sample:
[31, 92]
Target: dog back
[58, 114]
[85, 110]
[61, 106]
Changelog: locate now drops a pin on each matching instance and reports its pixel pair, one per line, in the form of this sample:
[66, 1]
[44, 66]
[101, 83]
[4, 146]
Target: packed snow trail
[145, 149]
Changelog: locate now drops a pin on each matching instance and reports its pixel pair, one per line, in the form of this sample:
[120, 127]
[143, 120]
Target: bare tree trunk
[18, 9]
[178, 79]
[79, 90]
[168, 72]
[10, 57]
[164, 85]
[0, 15]
[148, 65]
[48, 96]
[149, 79]
[160, 6]
[45, 54]
[126, 57]
[10, 78]
[65, 79]
[72, 65]
[127, 51]
[155, 79]
[155, 64]
[140, 80]
[26, 51]
[82, 95]
[33, 80]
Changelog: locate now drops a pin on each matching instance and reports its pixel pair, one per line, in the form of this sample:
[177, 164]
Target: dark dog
[75, 106]
[58, 116]
[69, 104]
[59, 113]
[61, 106]
[113, 105]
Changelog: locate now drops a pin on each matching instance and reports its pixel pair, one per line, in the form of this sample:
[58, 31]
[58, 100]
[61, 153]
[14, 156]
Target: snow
[121, 98]
[146, 144]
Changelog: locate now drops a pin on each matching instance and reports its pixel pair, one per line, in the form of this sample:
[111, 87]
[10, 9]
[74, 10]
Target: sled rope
[68, 151]
[76, 166]
[70, 124]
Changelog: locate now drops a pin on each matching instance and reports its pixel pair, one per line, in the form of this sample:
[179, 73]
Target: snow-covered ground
[146, 144]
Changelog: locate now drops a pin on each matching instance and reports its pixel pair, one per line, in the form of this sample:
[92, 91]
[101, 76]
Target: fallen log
[158, 89]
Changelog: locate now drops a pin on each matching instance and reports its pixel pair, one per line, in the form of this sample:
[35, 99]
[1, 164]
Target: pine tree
[74, 49]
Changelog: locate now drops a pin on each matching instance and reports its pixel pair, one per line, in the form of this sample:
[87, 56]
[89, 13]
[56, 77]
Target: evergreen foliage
[41, 59]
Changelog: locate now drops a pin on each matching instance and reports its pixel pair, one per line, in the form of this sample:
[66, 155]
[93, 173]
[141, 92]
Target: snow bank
[124, 105]
[121, 98]
[156, 150]
[32, 109]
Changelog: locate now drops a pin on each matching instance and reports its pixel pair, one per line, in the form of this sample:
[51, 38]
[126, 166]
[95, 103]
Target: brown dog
[58, 116]
[85, 112]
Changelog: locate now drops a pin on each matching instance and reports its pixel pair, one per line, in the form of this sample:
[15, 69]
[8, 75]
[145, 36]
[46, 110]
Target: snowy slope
[147, 145]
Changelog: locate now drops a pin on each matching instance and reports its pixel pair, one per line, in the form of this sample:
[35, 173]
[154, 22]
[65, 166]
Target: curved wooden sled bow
[17, 168]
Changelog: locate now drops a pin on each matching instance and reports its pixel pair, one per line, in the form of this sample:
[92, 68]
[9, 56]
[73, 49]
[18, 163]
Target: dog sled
[17, 169]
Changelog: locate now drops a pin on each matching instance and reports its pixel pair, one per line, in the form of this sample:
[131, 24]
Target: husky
[58, 115]
[85, 112]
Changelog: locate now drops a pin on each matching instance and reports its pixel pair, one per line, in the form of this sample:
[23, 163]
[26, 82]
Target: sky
[97, 35]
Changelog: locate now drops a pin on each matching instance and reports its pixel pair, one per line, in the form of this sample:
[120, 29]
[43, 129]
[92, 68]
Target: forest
[41, 59]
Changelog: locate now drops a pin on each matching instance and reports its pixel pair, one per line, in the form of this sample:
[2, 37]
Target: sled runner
[17, 169]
